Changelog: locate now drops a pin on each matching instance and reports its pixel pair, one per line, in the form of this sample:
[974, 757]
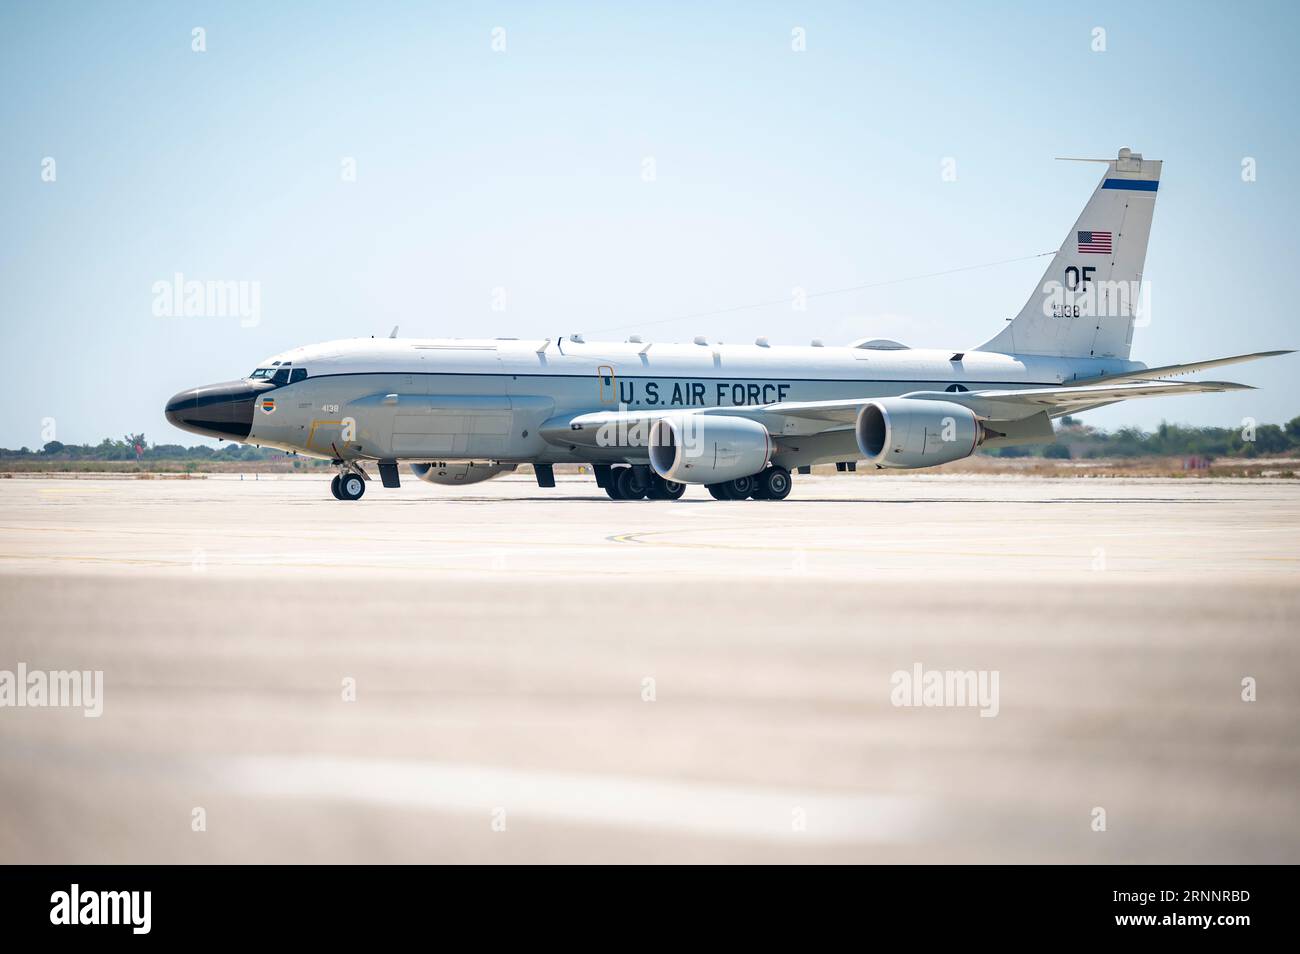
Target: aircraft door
[608, 386]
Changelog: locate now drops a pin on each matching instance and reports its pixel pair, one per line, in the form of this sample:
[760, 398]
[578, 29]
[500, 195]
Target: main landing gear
[348, 484]
[636, 483]
[640, 483]
[771, 484]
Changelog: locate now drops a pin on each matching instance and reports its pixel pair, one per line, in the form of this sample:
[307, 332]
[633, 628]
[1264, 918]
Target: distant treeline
[1073, 440]
[1081, 442]
[135, 447]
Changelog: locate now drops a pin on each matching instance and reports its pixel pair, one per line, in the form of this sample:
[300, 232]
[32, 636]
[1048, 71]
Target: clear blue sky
[522, 170]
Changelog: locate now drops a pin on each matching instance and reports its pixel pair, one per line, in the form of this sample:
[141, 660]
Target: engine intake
[708, 448]
[908, 433]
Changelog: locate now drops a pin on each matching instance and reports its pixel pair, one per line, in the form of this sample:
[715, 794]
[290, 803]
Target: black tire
[661, 489]
[351, 487]
[672, 490]
[334, 487]
[611, 488]
[718, 491]
[630, 486]
[741, 487]
[776, 483]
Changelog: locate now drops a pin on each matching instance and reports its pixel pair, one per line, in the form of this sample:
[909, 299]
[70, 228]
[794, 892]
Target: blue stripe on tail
[1133, 185]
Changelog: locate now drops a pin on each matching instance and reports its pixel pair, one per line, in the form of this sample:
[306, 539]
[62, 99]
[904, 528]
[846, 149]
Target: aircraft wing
[1010, 404]
[601, 428]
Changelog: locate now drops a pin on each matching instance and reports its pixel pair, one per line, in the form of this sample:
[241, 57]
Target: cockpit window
[279, 375]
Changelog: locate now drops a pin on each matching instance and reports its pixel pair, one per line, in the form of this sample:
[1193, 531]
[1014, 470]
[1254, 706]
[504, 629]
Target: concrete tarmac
[505, 673]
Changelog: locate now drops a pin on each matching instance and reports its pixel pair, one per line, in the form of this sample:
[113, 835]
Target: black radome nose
[215, 410]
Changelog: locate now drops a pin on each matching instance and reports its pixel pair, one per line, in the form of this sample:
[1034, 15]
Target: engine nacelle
[459, 472]
[708, 448]
[907, 433]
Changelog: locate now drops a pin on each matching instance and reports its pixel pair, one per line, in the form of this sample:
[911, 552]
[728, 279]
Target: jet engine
[459, 472]
[708, 448]
[908, 433]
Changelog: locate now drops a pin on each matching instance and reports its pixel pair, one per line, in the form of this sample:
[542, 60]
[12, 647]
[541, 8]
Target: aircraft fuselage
[509, 400]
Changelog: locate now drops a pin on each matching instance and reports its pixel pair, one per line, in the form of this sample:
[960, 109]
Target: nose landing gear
[349, 483]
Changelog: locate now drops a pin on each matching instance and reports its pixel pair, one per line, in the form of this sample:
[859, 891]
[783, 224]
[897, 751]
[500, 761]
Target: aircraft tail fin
[1092, 292]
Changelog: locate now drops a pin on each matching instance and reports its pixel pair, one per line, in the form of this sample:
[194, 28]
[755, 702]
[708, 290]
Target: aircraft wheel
[661, 489]
[630, 486]
[334, 487]
[611, 488]
[776, 483]
[741, 487]
[351, 487]
[718, 491]
[672, 490]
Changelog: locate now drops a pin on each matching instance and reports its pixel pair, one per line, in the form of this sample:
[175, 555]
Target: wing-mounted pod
[453, 473]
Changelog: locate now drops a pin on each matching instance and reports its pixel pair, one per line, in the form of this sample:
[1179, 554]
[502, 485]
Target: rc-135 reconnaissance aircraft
[651, 418]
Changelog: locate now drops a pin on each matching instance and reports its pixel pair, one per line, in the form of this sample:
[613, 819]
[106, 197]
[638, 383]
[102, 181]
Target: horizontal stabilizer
[1173, 370]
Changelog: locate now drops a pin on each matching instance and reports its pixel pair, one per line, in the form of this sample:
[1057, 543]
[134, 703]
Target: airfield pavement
[548, 675]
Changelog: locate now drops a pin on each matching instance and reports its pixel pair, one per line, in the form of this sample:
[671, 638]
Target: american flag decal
[1094, 243]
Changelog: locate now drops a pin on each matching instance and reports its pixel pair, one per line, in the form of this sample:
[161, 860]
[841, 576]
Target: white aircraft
[652, 417]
